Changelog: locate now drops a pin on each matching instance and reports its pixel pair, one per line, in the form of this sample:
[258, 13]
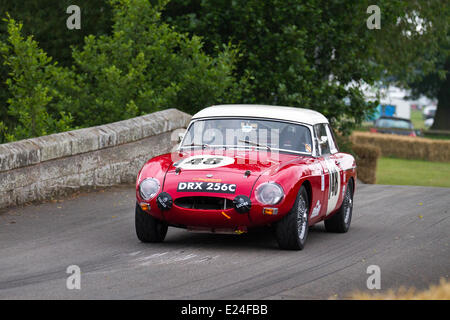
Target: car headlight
[269, 193]
[149, 188]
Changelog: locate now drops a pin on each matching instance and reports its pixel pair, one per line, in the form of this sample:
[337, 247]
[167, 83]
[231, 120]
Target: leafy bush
[142, 67]
[308, 54]
[317, 54]
[145, 65]
[36, 102]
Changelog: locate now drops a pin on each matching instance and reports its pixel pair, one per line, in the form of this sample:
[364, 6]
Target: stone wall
[55, 165]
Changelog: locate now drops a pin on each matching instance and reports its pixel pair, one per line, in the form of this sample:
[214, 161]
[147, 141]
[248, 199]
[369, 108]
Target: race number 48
[201, 162]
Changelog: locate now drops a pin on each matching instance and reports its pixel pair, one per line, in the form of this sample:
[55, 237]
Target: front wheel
[340, 221]
[291, 231]
[149, 229]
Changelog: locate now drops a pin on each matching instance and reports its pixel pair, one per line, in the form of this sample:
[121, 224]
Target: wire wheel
[302, 218]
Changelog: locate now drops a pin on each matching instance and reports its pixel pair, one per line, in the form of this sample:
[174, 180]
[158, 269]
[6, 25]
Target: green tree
[36, 103]
[436, 85]
[310, 54]
[315, 53]
[142, 67]
[46, 21]
[414, 49]
[145, 65]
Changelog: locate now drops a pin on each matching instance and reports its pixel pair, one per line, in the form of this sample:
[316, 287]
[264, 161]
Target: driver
[290, 139]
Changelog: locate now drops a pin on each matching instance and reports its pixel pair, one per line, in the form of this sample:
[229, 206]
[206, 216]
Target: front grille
[204, 203]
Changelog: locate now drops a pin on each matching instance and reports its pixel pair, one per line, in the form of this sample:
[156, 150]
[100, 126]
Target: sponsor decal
[316, 209]
[242, 204]
[202, 162]
[308, 147]
[206, 187]
[164, 201]
[208, 180]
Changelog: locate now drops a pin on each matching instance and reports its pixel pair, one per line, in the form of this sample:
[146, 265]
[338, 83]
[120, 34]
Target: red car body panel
[290, 171]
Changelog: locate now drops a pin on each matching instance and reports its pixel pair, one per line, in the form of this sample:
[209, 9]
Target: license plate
[216, 187]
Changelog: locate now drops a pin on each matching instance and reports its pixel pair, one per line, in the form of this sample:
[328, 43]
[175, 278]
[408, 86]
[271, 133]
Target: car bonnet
[241, 168]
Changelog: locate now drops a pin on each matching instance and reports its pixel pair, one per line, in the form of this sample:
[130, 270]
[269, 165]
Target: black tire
[340, 221]
[291, 231]
[149, 229]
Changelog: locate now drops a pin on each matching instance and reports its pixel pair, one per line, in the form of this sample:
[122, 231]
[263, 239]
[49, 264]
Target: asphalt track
[404, 230]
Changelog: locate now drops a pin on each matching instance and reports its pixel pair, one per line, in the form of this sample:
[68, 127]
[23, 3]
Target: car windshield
[393, 123]
[245, 132]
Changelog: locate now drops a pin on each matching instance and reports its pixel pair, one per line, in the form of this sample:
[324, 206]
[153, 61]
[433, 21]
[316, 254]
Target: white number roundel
[334, 186]
[202, 162]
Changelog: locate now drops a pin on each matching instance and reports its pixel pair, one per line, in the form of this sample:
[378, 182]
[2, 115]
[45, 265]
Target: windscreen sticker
[248, 127]
[202, 162]
[307, 147]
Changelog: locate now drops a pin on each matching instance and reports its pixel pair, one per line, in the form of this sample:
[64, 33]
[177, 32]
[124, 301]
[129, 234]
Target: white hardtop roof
[306, 116]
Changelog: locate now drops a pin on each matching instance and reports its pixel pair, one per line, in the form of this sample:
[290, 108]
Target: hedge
[366, 161]
[405, 147]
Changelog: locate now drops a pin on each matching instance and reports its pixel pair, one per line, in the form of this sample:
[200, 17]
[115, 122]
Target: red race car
[244, 166]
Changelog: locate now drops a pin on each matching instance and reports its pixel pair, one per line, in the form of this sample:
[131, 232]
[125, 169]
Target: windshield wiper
[256, 144]
[204, 145]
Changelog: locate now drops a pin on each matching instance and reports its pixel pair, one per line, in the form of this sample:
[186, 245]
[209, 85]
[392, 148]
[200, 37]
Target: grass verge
[417, 119]
[413, 172]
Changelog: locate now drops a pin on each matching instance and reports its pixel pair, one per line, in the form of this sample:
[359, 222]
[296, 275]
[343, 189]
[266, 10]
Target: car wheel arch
[308, 187]
[296, 189]
[352, 181]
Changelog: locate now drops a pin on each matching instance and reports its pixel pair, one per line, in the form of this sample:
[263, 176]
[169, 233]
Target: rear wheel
[340, 221]
[149, 229]
[291, 231]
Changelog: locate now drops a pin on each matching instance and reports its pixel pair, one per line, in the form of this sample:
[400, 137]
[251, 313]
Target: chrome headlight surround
[149, 188]
[269, 193]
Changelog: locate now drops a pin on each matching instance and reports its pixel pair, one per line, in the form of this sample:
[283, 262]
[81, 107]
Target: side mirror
[323, 139]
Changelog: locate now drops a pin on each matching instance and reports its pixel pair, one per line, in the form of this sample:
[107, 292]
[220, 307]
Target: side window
[331, 139]
[322, 136]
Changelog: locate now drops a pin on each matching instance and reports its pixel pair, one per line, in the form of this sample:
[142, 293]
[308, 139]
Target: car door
[331, 176]
[345, 163]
